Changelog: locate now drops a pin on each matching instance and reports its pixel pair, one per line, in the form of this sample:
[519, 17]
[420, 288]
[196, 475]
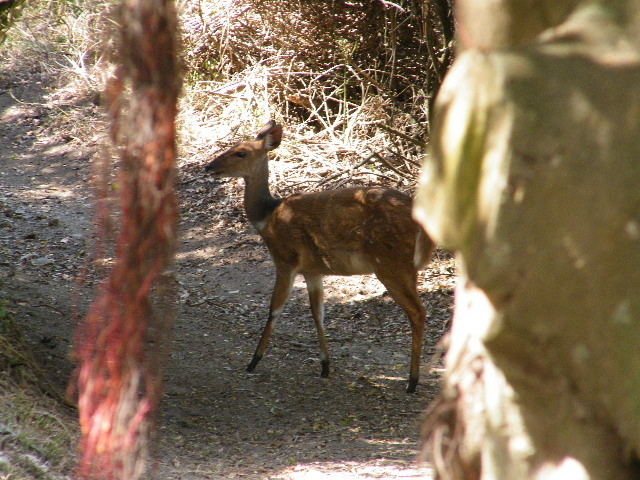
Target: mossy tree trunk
[533, 177]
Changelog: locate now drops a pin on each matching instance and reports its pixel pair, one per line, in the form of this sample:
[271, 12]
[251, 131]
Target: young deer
[350, 231]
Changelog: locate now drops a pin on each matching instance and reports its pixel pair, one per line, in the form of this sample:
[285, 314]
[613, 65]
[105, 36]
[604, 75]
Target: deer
[349, 231]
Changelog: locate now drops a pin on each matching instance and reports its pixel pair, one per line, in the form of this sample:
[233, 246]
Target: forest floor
[216, 421]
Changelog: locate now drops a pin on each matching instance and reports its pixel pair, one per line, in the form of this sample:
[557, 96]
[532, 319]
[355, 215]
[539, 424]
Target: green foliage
[10, 10]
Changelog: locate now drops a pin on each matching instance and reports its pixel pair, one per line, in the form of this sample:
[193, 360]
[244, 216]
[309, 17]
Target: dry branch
[343, 71]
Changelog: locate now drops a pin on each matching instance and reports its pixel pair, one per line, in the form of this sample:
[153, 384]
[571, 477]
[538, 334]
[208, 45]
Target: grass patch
[37, 433]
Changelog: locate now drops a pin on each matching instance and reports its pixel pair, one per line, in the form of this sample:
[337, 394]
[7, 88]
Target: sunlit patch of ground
[377, 469]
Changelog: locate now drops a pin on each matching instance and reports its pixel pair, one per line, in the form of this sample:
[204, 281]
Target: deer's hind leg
[316, 299]
[402, 285]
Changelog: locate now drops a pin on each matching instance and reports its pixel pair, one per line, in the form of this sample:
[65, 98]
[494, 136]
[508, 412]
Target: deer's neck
[258, 201]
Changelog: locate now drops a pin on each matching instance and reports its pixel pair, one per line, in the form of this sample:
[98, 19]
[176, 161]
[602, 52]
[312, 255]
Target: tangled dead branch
[349, 79]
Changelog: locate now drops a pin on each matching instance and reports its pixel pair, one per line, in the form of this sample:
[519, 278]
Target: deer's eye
[240, 154]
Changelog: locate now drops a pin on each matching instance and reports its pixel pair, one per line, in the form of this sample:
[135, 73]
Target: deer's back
[343, 232]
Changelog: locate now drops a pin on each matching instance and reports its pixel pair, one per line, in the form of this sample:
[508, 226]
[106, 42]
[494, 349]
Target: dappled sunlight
[196, 254]
[217, 421]
[402, 443]
[47, 191]
[12, 113]
[375, 469]
[387, 378]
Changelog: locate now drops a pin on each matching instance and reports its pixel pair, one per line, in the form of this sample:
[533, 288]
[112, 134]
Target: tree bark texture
[533, 177]
[119, 375]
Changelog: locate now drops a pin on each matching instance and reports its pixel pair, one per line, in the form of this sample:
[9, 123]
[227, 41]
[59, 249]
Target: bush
[358, 75]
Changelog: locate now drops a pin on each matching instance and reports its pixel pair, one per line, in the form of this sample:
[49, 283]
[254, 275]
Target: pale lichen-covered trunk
[533, 177]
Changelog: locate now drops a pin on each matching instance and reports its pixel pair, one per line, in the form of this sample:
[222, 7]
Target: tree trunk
[533, 177]
[122, 342]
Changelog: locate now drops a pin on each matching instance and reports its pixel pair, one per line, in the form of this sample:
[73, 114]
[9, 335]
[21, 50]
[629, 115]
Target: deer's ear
[273, 137]
[267, 127]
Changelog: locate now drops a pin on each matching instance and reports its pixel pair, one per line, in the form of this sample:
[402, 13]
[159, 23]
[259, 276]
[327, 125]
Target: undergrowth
[353, 83]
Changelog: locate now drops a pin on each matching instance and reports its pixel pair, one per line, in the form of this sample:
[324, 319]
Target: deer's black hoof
[254, 361]
[325, 369]
[411, 386]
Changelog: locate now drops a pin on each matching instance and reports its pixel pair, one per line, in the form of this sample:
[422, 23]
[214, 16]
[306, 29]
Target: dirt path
[217, 421]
